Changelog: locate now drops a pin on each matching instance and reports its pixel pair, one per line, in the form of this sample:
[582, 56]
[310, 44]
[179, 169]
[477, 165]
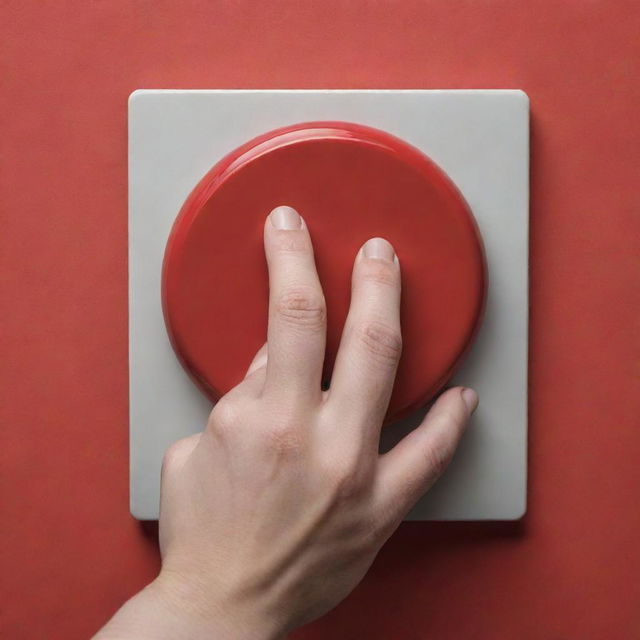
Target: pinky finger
[408, 470]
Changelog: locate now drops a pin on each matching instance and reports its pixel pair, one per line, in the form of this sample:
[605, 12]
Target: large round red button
[350, 183]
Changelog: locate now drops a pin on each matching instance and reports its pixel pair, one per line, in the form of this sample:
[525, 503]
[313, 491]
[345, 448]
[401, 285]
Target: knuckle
[379, 272]
[174, 455]
[302, 306]
[224, 416]
[437, 459]
[170, 458]
[381, 341]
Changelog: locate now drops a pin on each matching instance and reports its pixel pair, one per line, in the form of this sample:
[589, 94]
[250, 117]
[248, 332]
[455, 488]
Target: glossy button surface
[350, 183]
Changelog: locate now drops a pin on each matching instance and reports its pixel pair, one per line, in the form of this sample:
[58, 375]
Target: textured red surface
[351, 183]
[70, 551]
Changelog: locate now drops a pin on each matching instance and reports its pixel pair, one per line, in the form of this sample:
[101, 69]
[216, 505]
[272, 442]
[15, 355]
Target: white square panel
[480, 138]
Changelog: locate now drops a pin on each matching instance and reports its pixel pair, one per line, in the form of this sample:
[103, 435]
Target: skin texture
[273, 514]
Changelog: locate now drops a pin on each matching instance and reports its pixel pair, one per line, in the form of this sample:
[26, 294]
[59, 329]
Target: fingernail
[286, 219]
[470, 398]
[378, 248]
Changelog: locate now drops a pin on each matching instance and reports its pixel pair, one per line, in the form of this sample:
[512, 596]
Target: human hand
[275, 512]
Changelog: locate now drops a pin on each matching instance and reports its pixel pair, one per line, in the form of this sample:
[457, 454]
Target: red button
[350, 183]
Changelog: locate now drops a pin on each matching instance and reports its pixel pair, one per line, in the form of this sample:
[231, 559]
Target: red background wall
[70, 551]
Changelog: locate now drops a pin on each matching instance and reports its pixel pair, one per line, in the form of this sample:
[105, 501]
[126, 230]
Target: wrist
[214, 615]
[173, 608]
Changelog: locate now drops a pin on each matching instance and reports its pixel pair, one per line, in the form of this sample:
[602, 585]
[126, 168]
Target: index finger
[371, 342]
